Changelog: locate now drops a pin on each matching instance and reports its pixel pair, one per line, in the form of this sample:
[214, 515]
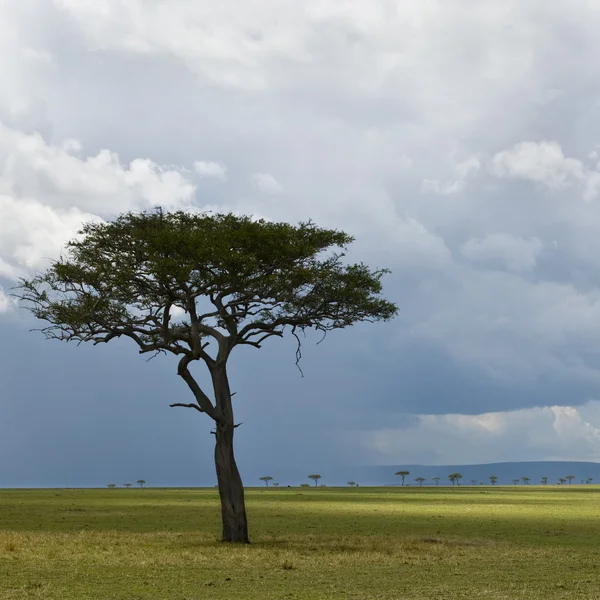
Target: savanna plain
[357, 543]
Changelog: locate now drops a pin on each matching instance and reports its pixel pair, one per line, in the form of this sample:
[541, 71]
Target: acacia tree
[352, 483]
[198, 286]
[127, 485]
[526, 480]
[141, 482]
[315, 477]
[436, 479]
[493, 479]
[570, 478]
[420, 480]
[544, 481]
[266, 479]
[403, 474]
[455, 478]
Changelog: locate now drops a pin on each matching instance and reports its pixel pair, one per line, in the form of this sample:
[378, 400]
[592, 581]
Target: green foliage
[315, 477]
[403, 475]
[247, 278]
[266, 479]
[455, 478]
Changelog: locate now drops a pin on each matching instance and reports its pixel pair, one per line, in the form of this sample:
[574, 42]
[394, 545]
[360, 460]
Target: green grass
[361, 543]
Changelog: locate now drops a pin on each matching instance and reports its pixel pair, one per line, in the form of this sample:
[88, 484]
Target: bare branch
[195, 406]
[298, 352]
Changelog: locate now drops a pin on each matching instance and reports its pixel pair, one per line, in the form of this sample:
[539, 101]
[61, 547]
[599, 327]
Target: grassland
[371, 543]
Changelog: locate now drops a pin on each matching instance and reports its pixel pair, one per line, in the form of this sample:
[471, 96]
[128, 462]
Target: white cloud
[461, 172]
[267, 183]
[32, 233]
[6, 302]
[546, 164]
[47, 192]
[512, 252]
[210, 169]
[32, 168]
[546, 433]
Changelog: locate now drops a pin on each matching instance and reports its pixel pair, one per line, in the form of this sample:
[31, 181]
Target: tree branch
[187, 406]
[204, 403]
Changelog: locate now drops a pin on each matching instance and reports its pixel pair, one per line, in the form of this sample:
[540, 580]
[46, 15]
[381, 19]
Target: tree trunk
[231, 489]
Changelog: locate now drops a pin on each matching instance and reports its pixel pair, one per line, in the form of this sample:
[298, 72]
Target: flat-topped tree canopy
[178, 281]
[197, 285]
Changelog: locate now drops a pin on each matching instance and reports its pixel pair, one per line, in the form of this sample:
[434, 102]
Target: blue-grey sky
[457, 141]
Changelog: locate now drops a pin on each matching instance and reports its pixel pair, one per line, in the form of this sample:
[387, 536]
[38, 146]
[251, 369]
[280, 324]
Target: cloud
[266, 183]
[511, 252]
[210, 169]
[32, 168]
[48, 191]
[545, 433]
[461, 172]
[514, 329]
[544, 163]
[32, 234]
[6, 302]
[452, 139]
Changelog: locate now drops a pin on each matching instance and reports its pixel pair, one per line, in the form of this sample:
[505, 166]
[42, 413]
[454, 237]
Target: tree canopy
[144, 276]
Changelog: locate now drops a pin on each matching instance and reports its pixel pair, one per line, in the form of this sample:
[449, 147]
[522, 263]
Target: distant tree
[420, 480]
[352, 483]
[266, 479]
[275, 484]
[455, 478]
[127, 485]
[403, 474]
[141, 482]
[493, 479]
[198, 285]
[544, 481]
[589, 480]
[323, 485]
[562, 481]
[526, 480]
[436, 479]
[516, 481]
[570, 478]
[315, 477]
[304, 485]
[111, 485]
[473, 481]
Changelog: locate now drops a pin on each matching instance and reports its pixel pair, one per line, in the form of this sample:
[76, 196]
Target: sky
[457, 141]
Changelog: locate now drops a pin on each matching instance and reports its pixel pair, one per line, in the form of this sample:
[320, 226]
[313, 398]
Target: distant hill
[384, 475]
